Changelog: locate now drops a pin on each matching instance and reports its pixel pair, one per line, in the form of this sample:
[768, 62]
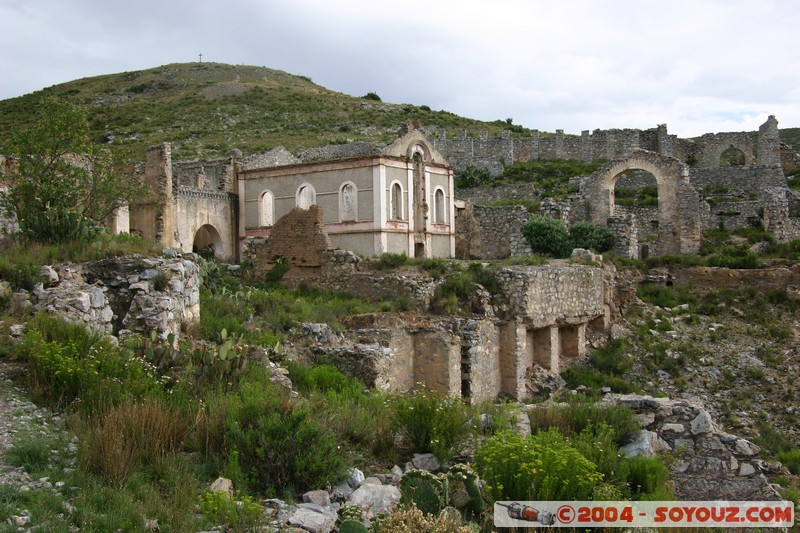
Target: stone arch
[208, 239]
[421, 149]
[679, 224]
[306, 196]
[713, 150]
[348, 202]
[732, 157]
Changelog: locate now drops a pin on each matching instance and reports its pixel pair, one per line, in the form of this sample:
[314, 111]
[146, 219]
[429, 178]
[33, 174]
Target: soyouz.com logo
[644, 514]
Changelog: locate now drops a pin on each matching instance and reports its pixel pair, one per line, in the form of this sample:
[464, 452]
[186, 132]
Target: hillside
[206, 109]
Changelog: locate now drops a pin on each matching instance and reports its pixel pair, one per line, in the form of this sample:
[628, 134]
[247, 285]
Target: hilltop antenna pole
[201, 57]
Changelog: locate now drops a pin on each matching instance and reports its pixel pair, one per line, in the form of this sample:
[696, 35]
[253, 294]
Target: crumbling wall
[119, 295]
[299, 237]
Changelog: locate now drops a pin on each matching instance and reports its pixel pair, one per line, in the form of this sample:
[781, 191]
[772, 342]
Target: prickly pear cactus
[464, 492]
[424, 490]
[351, 526]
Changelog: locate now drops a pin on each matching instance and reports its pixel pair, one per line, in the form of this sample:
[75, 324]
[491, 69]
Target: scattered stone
[747, 448]
[222, 484]
[746, 469]
[355, 477]
[702, 423]
[426, 461]
[317, 497]
[646, 443]
[375, 499]
[313, 520]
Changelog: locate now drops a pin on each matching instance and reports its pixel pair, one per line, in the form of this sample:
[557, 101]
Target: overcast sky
[697, 65]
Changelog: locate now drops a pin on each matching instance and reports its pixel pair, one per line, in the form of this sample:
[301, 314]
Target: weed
[432, 422]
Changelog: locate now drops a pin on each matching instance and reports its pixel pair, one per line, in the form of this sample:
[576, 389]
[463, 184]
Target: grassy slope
[206, 109]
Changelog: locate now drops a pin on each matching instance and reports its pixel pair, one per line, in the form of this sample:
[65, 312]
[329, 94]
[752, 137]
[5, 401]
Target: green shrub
[472, 176]
[272, 439]
[597, 442]
[432, 422]
[392, 260]
[734, 257]
[539, 467]
[791, 460]
[612, 358]
[322, 378]
[577, 375]
[548, 236]
[452, 296]
[80, 367]
[372, 96]
[647, 475]
[592, 236]
[572, 419]
[238, 515]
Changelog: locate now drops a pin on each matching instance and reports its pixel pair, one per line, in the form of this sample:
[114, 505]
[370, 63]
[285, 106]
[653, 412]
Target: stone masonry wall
[492, 153]
[551, 294]
[132, 293]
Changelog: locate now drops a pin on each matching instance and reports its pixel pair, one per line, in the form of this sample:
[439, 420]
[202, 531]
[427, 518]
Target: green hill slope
[206, 109]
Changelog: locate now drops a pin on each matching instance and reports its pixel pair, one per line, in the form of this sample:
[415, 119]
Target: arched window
[348, 202]
[306, 196]
[396, 202]
[266, 210]
[439, 210]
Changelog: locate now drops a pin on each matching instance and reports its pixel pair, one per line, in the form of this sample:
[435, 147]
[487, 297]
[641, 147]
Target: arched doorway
[636, 200]
[732, 157]
[678, 218]
[208, 243]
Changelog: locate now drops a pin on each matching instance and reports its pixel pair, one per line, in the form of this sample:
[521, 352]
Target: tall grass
[117, 442]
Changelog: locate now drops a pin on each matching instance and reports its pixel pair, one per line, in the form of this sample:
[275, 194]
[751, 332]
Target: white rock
[701, 423]
[222, 483]
[375, 499]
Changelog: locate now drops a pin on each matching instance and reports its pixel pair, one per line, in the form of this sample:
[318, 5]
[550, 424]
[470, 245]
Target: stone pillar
[546, 347]
[769, 143]
[586, 149]
[534, 145]
[512, 359]
[560, 153]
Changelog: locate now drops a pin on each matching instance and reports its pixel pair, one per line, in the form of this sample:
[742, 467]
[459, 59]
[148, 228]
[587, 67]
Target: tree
[61, 186]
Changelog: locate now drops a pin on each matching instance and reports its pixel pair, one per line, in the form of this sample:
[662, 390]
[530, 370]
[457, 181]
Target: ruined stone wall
[488, 195]
[119, 295]
[552, 294]
[762, 148]
[500, 233]
[299, 237]
[746, 179]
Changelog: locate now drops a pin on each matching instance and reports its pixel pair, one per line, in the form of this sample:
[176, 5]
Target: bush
[539, 467]
[472, 176]
[239, 515]
[322, 378]
[612, 358]
[791, 460]
[548, 236]
[432, 422]
[592, 236]
[734, 257]
[70, 364]
[574, 418]
[647, 475]
[267, 437]
[372, 96]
